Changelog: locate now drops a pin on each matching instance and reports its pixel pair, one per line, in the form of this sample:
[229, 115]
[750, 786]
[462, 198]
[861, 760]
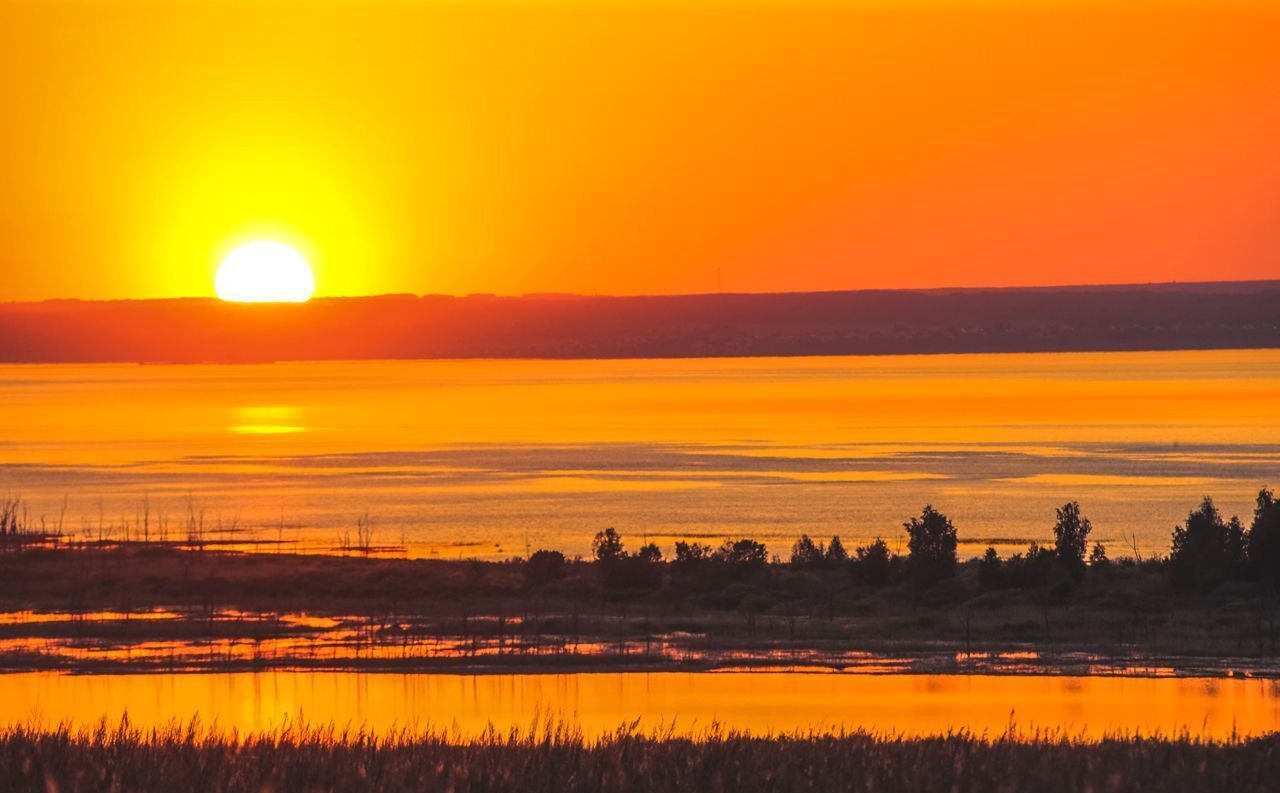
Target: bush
[1206, 550]
[1264, 538]
[607, 546]
[873, 565]
[806, 552]
[1071, 537]
[690, 555]
[1038, 567]
[742, 553]
[632, 572]
[991, 570]
[931, 545]
[544, 567]
[1098, 556]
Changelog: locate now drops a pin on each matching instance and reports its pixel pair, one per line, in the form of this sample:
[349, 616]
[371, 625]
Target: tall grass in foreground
[557, 758]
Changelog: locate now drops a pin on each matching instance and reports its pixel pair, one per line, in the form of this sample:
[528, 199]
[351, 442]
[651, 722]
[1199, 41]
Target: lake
[489, 459]
[760, 702]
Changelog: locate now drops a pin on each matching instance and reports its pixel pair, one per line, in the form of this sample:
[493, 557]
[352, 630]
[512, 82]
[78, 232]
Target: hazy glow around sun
[264, 272]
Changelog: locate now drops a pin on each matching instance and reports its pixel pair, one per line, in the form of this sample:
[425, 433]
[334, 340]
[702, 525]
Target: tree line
[1205, 550]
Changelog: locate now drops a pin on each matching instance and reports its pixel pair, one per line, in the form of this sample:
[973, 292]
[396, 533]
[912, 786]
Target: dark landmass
[301, 760]
[94, 609]
[1138, 317]
[1210, 607]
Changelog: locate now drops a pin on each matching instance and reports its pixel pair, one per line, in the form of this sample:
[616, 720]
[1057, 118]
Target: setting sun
[265, 272]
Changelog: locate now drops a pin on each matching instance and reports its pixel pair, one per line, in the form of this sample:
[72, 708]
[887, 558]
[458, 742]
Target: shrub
[691, 554]
[1264, 537]
[873, 565]
[544, 567]
[1071, 536]
[931, 545]
[1098, 556]
[631, 572]
[991, 570]
[742, 553]
[1206, 550]
[806, 551]
[607, 546]
[835, 551]
[1038, 567]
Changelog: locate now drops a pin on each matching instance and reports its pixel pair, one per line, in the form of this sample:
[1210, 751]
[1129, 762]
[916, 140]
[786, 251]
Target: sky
[637, 146]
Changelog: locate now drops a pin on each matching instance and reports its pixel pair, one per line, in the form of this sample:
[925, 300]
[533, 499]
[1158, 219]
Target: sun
[264, 272]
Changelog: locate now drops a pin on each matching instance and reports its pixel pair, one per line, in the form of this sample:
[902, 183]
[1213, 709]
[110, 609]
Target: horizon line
[1258, 282]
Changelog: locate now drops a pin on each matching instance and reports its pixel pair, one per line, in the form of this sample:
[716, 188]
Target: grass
[556, 758]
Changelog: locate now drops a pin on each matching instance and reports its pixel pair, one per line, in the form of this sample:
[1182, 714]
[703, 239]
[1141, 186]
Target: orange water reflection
[476, 458]
[756, 701]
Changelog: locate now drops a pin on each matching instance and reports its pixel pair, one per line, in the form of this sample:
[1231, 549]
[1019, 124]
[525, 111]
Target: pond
[688, 703]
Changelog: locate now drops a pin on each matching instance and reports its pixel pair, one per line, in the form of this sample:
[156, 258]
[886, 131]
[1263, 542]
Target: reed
[556, 757]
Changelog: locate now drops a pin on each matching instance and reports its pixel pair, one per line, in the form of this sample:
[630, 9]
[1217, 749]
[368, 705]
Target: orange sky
[637, 146]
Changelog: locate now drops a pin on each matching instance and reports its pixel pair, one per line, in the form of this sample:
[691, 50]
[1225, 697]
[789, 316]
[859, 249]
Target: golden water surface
[491, 458]
[756, 701]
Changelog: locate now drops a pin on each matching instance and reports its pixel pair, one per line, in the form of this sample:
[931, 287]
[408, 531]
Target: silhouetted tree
[1205, 549]
[607, 546]
[1098, 556]
[1038, 567]
[650, 554]
[873, 564]
[1264, 537]
[836, 553]
[544, 567]
[1237, 550]
[991, 569]
[931, 543]
[1071, 537]
[691, 554]
[806, 551]
[742, 553]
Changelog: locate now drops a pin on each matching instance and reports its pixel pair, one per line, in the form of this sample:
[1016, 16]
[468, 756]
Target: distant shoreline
[1113, 318]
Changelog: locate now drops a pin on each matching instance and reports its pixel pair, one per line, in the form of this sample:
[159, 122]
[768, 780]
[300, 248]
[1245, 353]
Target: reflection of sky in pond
[480, 457]
[756, 701]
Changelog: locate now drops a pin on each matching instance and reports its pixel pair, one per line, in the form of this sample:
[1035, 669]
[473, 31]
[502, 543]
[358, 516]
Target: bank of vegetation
[557, 759]
[1212, 598]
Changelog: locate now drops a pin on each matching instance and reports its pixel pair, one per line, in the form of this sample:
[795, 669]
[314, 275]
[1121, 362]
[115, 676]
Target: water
[761, 702]
[491, 458]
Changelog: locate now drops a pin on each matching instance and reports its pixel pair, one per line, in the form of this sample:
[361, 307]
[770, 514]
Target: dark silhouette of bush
[1206, 550]
[836, 554]
[632, 572]
[607, 546]
[650, 553]
[691, 555]
[1264, 538]
[806, 552]
[619, 570]
[544, 567]
[1038, 567]
[1071, 537]
[991, 570]
[742, 553]
[1098, 556]
[874, 564]
[931, 546]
